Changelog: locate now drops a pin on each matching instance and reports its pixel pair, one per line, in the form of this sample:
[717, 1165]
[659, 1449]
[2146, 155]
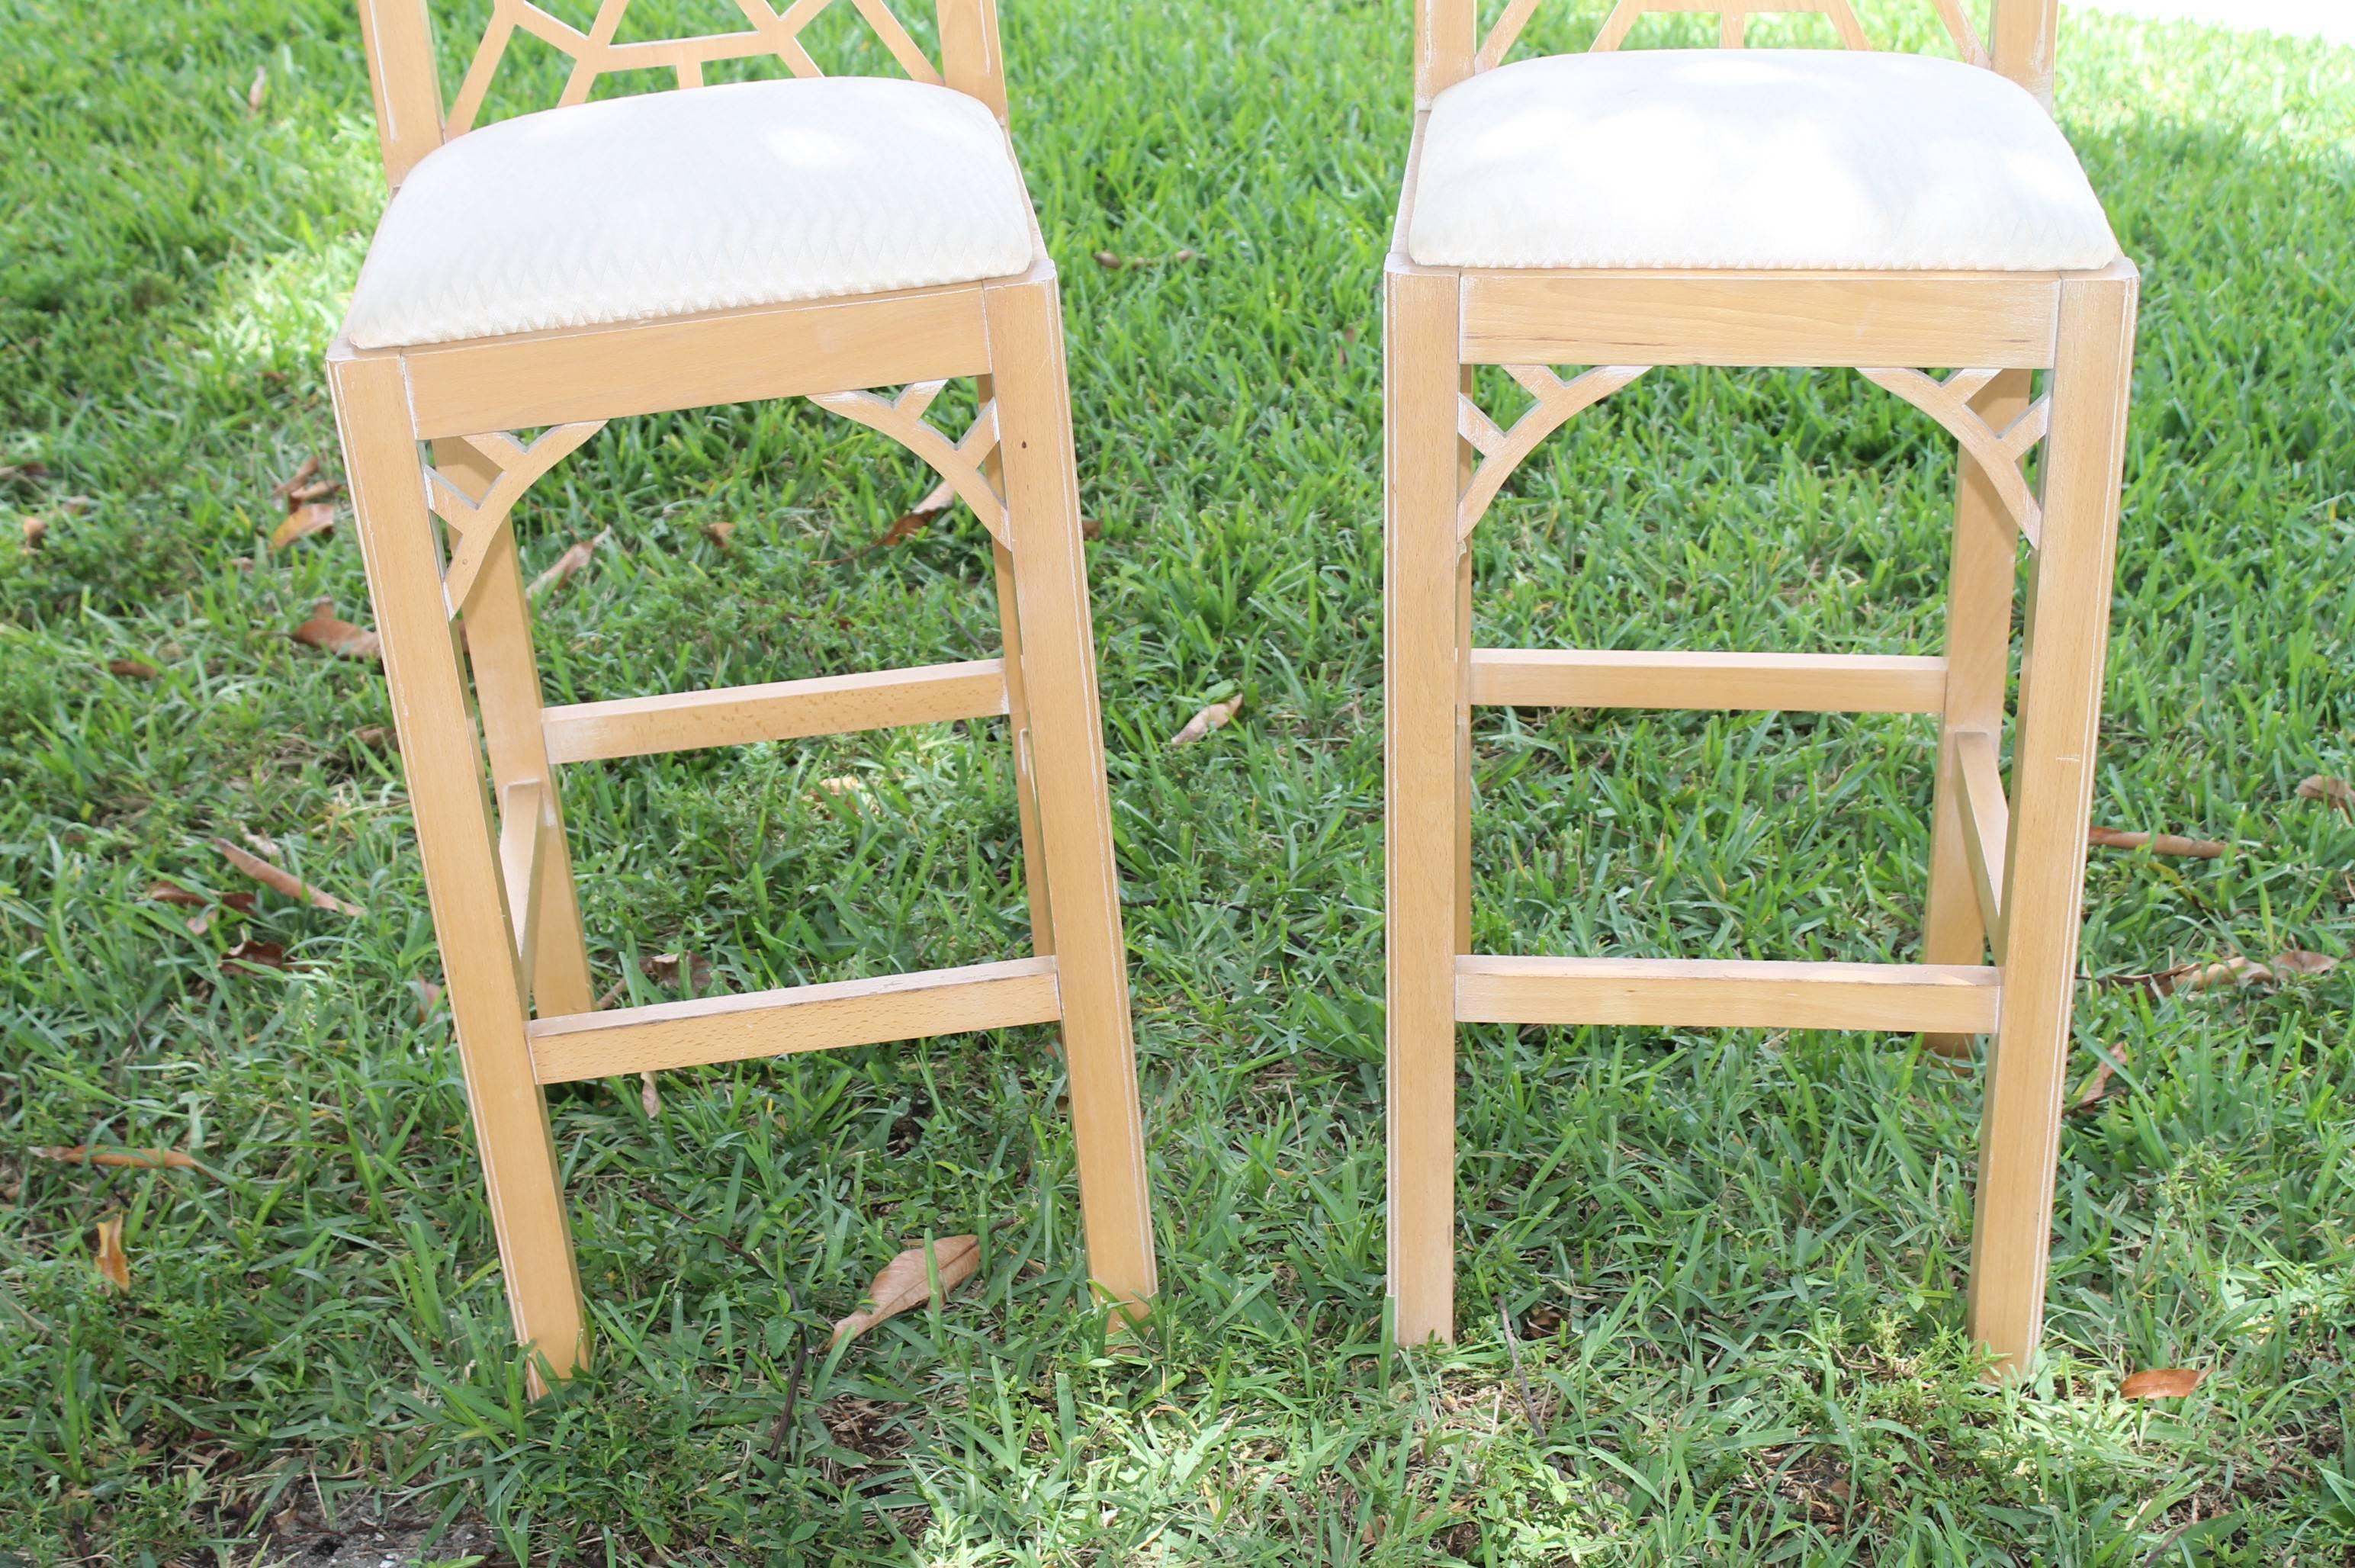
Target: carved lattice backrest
[1450, 46]
[412, 119]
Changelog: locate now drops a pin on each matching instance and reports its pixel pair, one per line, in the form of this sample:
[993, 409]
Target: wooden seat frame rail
[2006, 874]
[491, 827]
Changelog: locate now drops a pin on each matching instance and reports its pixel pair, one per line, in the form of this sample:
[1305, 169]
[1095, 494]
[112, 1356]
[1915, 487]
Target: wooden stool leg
[1978, 658]
[1467, 457]
[1058, 673]
[507, 694]
[2052, 773]
[1026, 780]
[1423, 697]
[444, 763]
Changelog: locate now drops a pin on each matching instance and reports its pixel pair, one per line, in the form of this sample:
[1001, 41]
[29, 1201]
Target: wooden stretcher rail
[1987, 823]
[1700, 993]
[780, 710]
[1813, 683]
[795, 1018]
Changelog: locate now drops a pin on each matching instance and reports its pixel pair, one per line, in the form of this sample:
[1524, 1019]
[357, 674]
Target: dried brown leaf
[2322, 786]
[281, 880]
[130, 1159]
[113, 1262]
[720, 534]
[567, 565]
[1089, 528]
[324, 631]
[906, 1282]
[302, 474]
[1215, 717]
[311, 518]
[429, 996]
[1109, 260]
[259, 91]
[2097, 1087]
[378, 736]
[36, 533]
[649, 1097]
[256, 956]
[164, 892]
[663, 968]
[2162, 1382]
[27, 472]
[2300, 961]
[2160, 843]
[132, 669]
[321, 490]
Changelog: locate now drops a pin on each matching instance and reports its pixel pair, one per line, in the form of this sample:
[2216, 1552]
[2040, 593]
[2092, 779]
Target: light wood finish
[506, 907]
[1987, 819]
[1817, 683]
[1026, 331]
[2006, 870]
[2000, 319]
[444, 763]
[2067, 636]
[575, 374]
[1980, 588]
[1703, 993]
[795, 1018]
[1421, 388]
[523, 839]
[507, 695]
[778, 711]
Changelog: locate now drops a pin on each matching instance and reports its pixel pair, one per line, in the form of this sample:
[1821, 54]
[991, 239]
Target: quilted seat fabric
[715, 198]
[1770, 159]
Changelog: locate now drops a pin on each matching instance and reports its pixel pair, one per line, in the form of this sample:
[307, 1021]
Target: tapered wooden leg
[1058, 673]
[1467, 458]
[1979, 657]
[2052, 775]
[507, 694]
[444, 763]
[1423, 697]
[1026, 781]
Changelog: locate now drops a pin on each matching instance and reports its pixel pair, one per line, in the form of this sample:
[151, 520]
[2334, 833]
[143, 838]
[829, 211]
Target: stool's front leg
[442, 760]
[2052, 784]
[1082, 886]
[1423, 646]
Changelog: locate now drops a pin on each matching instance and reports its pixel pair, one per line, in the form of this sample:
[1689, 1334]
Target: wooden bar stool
[802, 237]
[1786, 208]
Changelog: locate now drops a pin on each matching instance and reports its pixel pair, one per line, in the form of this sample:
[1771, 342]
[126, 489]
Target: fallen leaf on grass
[173, 893]
[429, 996]
[2160, 843]
[37, 532]
[256, 956]
[281, 880]
[314, 518]
[719, 534]
[378, 736]
[113, 1262]
[302, 475]
[1109, 260]
[130, 1158]
[567, 564]
[663, 969]
[2097, 1087]
[324, 631]
[2315, 787]
[2228, 973]
[844, 789]
[25, 471]
[906, 1282]
[2163, 1382]
[132, 669]
[649, 1097]
[320, 490]
[1089, 528]
[904, 526]
[259, 91]
[1215, 717]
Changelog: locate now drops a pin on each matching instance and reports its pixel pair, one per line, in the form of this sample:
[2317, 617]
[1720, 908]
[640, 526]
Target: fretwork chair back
[793, 237]
[1623, 210]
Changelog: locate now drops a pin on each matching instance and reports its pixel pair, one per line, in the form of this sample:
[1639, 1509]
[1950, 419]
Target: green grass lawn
[1732, 1262]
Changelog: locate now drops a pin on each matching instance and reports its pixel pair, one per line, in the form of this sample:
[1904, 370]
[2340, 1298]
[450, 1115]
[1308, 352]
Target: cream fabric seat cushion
[666, 203]
[1763, 159]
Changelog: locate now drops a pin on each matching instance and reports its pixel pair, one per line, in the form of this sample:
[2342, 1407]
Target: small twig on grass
[784, 1428]
[1513, 1346]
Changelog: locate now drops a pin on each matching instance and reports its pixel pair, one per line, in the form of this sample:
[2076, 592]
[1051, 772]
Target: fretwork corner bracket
[1998, 453]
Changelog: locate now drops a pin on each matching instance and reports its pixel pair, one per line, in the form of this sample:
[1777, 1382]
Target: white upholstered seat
[669, 203]
[1767, 159]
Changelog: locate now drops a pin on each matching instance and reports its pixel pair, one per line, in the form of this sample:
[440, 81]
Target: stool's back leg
[1059, 672]
[507, 693]
[1979, 659]
[1422, 699]
[1018, 713]
[1467, 457]
[2052, 773]
[443, 765]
